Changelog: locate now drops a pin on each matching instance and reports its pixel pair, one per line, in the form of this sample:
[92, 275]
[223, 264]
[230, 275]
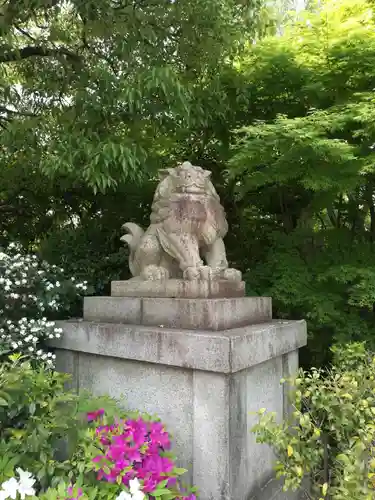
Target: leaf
[324, 489]
[179, 471]
[290, 451]
[160, 492]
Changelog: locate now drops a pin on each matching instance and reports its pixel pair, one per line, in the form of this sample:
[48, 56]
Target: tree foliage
[97, 90]
[307, 163]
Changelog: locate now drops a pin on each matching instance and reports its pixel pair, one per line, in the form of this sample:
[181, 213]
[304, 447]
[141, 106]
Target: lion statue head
[186, 193]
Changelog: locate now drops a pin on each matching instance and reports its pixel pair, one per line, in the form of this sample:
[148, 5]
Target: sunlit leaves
[306, 161]
[330, 439]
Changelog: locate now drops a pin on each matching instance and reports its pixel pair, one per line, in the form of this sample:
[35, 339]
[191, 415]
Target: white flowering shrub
[32, 295]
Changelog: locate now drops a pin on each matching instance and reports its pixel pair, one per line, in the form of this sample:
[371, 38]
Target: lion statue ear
[207, 173]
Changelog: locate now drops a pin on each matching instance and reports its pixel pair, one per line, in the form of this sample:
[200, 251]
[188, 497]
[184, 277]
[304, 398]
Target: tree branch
[4, 109]
[24, 32]
[31, 51]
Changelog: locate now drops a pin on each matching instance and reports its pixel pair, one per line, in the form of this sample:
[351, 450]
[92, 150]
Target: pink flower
[133, 450]
[93, 415]
[71, 493]
[149, 484]
[159, 436]
[172, 481]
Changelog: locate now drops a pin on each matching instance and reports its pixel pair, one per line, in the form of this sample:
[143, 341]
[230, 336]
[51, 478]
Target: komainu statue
[185, 237]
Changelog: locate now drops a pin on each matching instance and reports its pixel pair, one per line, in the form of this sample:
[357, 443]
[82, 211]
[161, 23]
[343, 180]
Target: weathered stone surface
[211, 436]
[112, 310]
[142, 386]
[201, 350]
[202, 386]
[178, 288]
[206, 314]
[191, 314]
[273, 490]
[185, 237]
[259, 343]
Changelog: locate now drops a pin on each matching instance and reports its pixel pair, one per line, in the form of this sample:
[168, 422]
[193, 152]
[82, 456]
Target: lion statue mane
[188, 224]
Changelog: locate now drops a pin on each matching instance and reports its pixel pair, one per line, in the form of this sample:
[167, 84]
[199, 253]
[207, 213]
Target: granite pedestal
[203, 366]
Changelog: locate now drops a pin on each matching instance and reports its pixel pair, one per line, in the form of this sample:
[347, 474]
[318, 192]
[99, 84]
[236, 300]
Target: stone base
[190, 314]
[205, 386]
[178, 288]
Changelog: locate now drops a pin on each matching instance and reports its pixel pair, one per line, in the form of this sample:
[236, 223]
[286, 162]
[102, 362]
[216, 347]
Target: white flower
[139, 495]
[135, 491]
[134, 486]
[124, 496]
[10, 488]
[26, 483]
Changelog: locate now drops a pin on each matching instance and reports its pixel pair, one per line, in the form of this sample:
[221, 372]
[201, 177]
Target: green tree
[97, 90]
[306, 162]
[94, 96]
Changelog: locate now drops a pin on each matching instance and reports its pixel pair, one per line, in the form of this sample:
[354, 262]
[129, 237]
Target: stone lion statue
[188, 224]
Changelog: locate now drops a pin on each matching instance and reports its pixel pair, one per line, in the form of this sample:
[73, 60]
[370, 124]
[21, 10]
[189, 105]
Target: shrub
[72, 448]
[127, 448]
[330, 439]
[30, 292]
[36, 413]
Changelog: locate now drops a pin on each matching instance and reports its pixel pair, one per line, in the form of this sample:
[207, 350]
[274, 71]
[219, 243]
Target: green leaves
[38, 413]
[298, 150]
[330, 438]
[302, 171]
[86, 80]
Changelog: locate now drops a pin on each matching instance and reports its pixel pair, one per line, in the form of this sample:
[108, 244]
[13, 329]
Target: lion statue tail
[133, 239]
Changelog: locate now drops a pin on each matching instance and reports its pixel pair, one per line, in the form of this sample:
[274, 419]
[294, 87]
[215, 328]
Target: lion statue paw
[231, 274]
[204, 273]
[155, 273]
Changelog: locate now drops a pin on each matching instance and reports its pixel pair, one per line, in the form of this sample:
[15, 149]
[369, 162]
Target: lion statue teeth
[188, 224]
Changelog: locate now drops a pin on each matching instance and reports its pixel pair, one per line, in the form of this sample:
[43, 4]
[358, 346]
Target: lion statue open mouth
[187, 224]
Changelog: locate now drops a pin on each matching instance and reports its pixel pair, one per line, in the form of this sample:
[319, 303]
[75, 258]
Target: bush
[128, 448]
[330, 440]
[78, 446]
[36, 413]
[30, 292]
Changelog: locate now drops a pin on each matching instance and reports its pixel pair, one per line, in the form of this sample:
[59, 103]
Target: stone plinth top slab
[226, 352]
[190, 314]
[178, 288]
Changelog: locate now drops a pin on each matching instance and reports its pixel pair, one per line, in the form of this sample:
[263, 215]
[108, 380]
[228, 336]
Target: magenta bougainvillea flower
[135, 449]
[93, 415]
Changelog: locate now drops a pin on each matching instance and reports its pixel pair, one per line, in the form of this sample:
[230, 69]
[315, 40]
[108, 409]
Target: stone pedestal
[178, 288]
[203, 366]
